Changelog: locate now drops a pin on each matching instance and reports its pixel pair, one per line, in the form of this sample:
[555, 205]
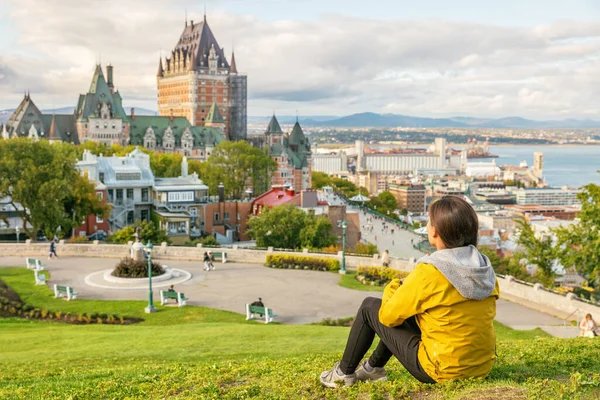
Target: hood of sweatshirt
[469, 271]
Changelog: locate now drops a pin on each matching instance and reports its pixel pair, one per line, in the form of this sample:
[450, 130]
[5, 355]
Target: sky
[432, 58]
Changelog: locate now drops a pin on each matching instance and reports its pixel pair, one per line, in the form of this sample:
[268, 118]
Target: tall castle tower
[196, 75]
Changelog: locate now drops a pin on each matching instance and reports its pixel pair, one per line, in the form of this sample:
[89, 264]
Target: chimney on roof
[184, 167]
[192, 23]
[290, 191]
[109, 77]
[132, 114]
[221, 193]
[171, 116]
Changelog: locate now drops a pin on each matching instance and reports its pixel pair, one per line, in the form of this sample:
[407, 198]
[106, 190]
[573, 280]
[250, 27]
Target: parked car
[99, 235]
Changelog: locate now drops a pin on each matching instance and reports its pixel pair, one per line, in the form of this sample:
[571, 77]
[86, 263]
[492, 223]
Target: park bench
[220, 254]
[34, 263]
[179, 296]
[67, 291]
[265, 312]
[40, 279]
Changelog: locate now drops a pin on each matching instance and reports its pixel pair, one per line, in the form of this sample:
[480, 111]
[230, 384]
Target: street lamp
[150, 308]
[17, 229]
[343, 225]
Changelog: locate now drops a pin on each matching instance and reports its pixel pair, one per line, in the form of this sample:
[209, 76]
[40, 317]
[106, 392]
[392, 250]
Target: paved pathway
[297, 297]
[398, 243]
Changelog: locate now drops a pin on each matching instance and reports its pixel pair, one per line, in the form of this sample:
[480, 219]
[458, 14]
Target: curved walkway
[297, 297]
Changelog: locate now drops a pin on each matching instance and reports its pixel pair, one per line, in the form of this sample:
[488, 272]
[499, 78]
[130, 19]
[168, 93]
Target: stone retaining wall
[537, 294]
[164, 252]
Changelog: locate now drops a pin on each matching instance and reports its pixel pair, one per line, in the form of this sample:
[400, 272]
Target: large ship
[475, 150]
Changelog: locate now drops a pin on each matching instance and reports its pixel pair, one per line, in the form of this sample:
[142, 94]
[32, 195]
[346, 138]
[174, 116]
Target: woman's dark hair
[455, 221]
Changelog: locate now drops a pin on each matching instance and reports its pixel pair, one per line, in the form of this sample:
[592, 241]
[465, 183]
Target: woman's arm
[402, 302]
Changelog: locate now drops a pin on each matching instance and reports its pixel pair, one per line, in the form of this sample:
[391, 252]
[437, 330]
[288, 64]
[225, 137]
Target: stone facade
[196, 75]
[100, 117]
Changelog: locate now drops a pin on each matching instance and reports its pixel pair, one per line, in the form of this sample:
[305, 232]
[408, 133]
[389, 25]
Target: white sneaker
[333, 379]
[378, 373]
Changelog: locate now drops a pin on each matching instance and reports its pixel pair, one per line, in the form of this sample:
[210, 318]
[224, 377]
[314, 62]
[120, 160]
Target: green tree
[237, 164]
[317, 233]
[289, 227]
[365, 248]
[149, 232]
[388, 200]
[539, 251]
[344, 186]
[320, 179]
[41, 177]
[579, 244]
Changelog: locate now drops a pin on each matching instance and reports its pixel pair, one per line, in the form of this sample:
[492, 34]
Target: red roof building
[278, 195]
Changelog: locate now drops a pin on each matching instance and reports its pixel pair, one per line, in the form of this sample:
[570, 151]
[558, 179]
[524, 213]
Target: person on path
[588, 327]
[439, 322]
[172, 289]
[210, 261]
[385, 258]
[52, 249]
[206, 261]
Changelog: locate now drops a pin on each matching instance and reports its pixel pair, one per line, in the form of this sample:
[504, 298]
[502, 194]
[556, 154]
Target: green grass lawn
[349, 281]
[199, 353]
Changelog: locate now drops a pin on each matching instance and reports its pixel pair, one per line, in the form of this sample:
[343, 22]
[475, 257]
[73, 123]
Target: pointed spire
[186, 17]
[232, 66]
[161, 71]
[274, 127]
[214, 117]
[204, 12]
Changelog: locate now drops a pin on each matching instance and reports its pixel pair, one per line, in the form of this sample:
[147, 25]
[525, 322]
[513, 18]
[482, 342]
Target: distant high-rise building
[196, 75]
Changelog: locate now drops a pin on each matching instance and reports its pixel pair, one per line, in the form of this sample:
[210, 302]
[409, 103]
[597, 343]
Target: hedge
[302, 262]
[378, 276]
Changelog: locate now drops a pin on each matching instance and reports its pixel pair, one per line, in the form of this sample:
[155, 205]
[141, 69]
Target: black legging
[401, 341]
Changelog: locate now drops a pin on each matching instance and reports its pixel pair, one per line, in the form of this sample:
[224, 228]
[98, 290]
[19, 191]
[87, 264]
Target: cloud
[333, 65]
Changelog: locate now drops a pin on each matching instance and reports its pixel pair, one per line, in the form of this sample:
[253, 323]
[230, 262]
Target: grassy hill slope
[199, 353]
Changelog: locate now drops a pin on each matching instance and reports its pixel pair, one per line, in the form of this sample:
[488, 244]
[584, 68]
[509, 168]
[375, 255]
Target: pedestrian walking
[206, 261]
[52, 249]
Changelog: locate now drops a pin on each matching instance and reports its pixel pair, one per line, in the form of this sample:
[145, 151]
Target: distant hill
[366, 120]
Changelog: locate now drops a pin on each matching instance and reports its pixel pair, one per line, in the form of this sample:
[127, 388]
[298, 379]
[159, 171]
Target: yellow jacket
[458, 337]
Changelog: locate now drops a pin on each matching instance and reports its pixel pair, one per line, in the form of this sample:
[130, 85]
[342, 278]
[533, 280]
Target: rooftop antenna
[296, 116]
[186, 17]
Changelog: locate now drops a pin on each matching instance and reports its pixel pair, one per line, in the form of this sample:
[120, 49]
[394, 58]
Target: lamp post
[17, 229]
[343, 225]
[150, 308]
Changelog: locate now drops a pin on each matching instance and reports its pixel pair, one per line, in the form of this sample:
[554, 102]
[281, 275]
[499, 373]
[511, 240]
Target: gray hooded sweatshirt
[469, 271]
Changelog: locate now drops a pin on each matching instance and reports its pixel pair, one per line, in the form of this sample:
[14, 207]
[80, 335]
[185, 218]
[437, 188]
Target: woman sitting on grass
[439, 323]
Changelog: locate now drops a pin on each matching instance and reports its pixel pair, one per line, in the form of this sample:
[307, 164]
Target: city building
[501, 220]
[409, 197]
[196, 75]
[564, 196]
[293, 156]
[100, 117]
[277, 196]
[529, 210]
[394, 161]
[128, 181]
[482, 169]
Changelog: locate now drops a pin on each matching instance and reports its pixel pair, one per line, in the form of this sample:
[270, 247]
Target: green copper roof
[214, 115]
[273, 126]
[202, 135]
[90, 104]
[295, 146]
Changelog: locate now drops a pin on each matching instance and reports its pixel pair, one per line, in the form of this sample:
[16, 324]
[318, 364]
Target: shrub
[365, 248]
[335, 322]
[78, 239]
[302, 262]
[128, 268]
[378, 276]
[209, 240]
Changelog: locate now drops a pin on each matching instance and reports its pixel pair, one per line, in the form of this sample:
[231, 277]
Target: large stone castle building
[196, 75]
[100, 117]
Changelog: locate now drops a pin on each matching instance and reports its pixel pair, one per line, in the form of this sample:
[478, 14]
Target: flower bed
[127, 268]
[378, 276]
[302, 262]
[11, 305]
